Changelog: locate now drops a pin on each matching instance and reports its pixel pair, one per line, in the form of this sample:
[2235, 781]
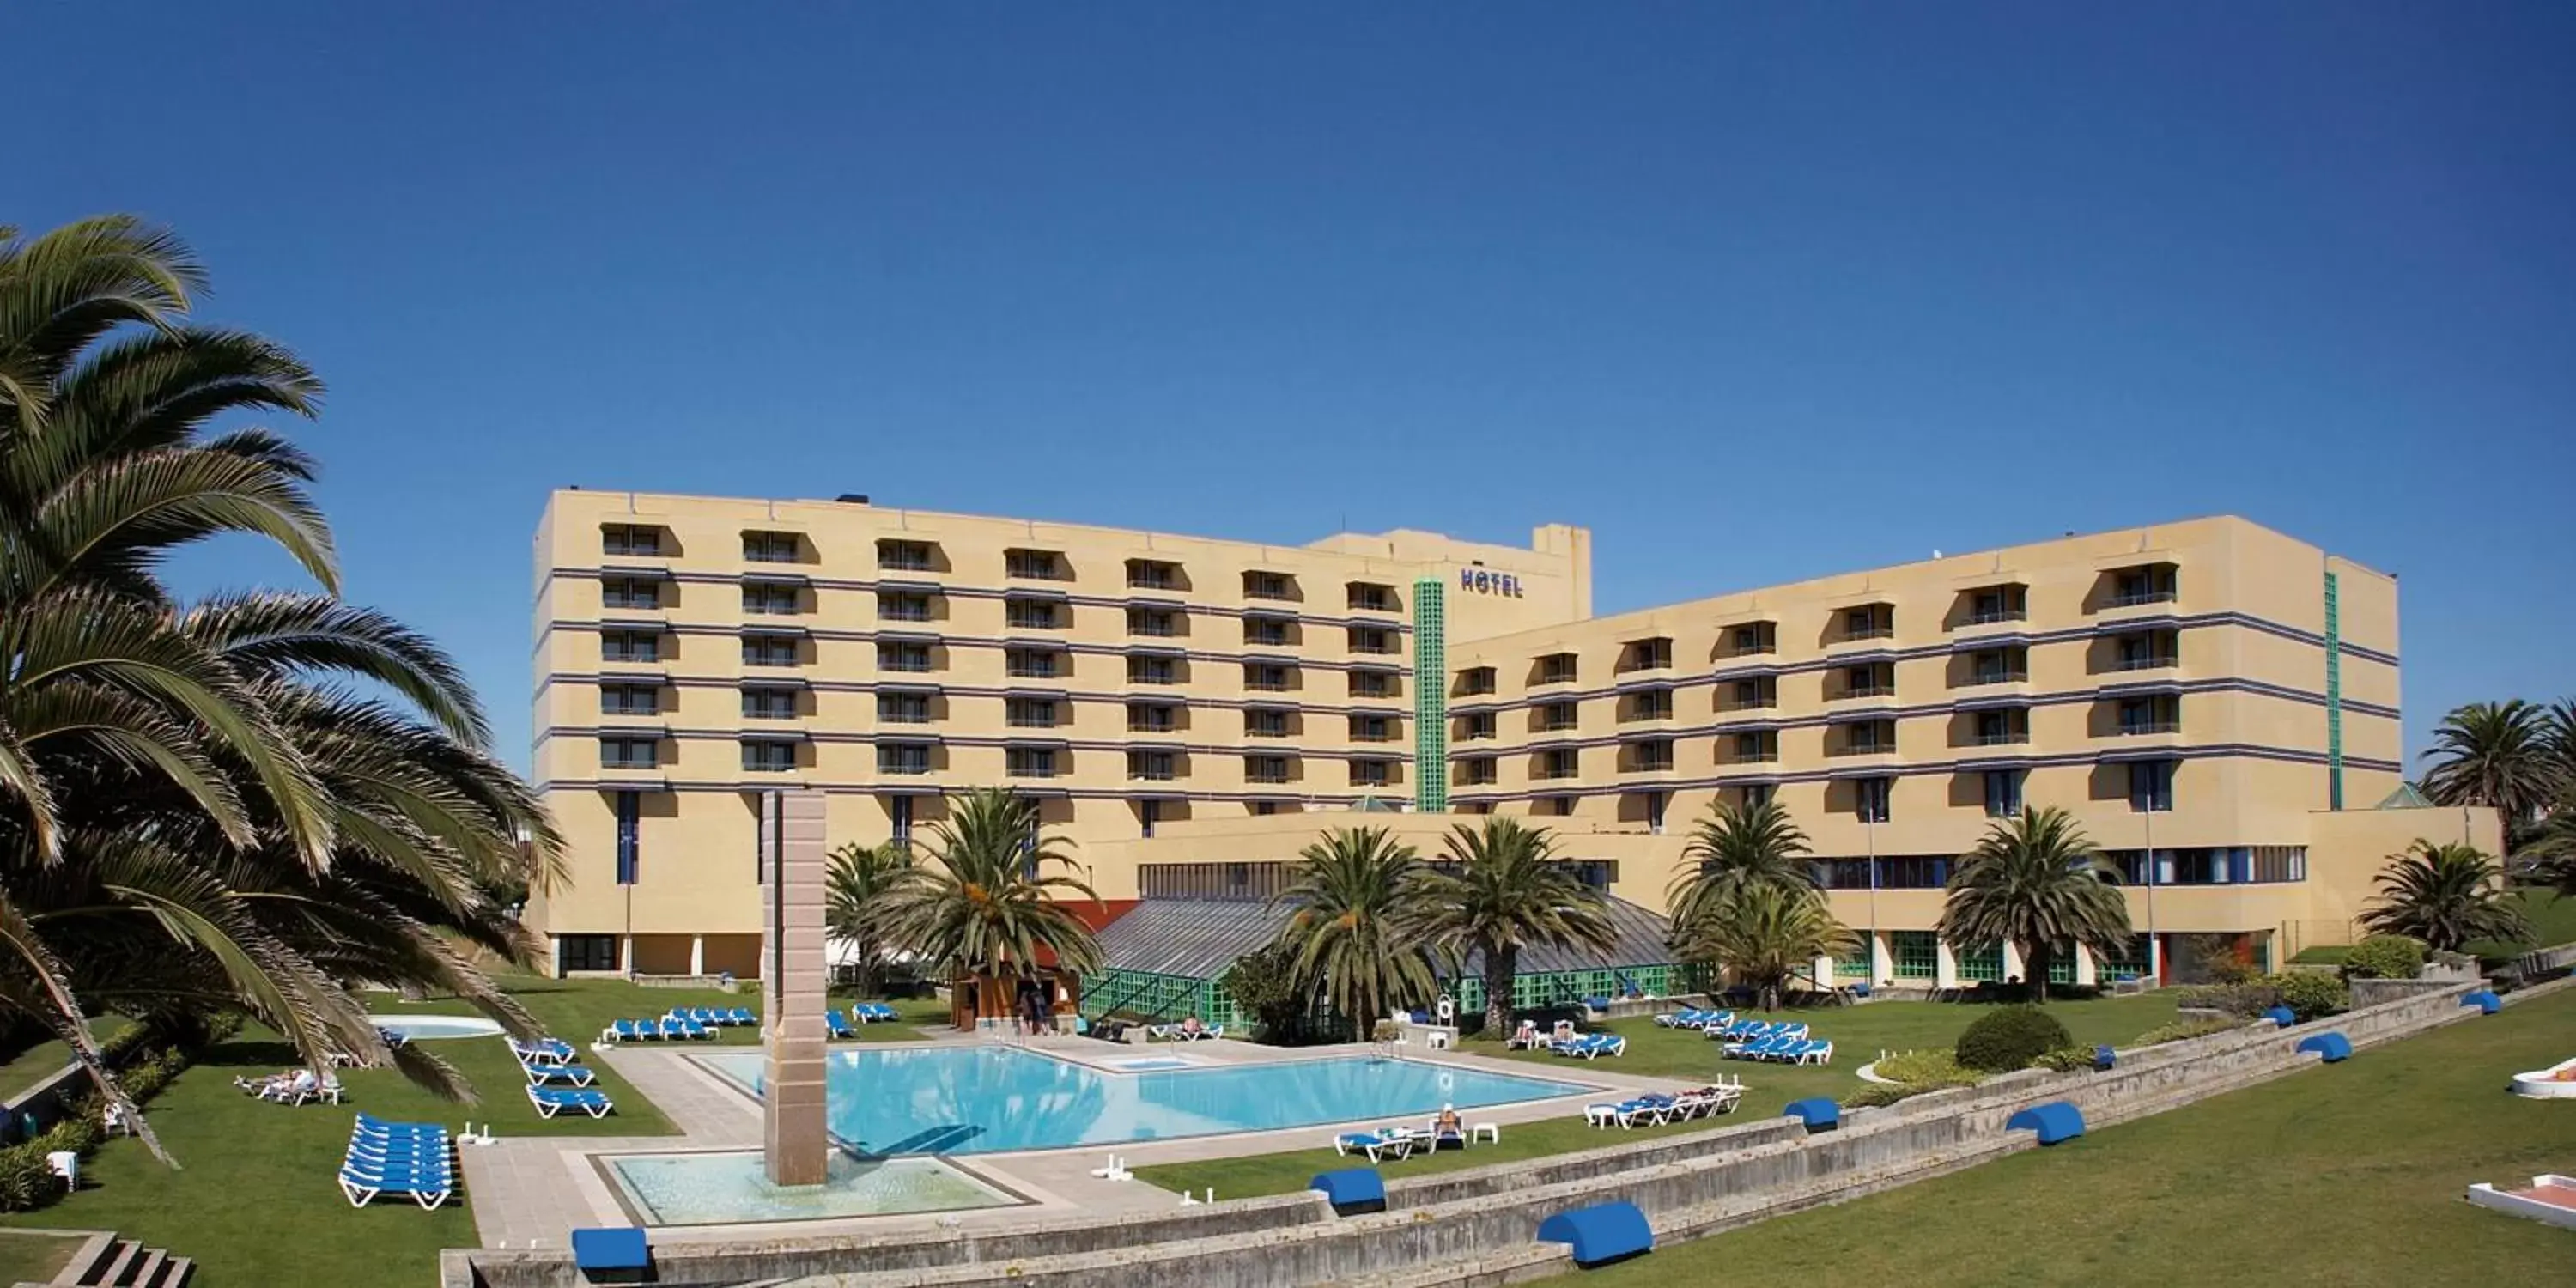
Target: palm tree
[1505, 889]
[1732, 849]
[987, 903]
[857, 909]
[2035, 881]
[2496, 754]
[2445, 895]
[196, 810]
[2558, 736]
[1766, 933]
[1355, 925]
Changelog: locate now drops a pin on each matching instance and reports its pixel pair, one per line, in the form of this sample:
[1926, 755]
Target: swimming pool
[984, 1099]
[423, 1028]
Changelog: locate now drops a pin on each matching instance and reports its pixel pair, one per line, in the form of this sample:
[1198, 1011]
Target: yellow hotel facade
[2211, 692]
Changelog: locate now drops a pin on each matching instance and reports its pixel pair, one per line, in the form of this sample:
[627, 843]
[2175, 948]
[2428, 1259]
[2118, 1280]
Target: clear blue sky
[1756, 292]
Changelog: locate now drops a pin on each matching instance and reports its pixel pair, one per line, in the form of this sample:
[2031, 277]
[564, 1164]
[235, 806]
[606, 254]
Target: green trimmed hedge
[2010, 1037]
[2385, 957]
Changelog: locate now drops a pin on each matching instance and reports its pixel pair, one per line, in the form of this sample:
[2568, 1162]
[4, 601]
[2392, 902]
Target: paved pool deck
[530, 1192]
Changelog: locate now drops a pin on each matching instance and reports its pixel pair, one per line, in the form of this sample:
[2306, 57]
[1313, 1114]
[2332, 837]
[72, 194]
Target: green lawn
[28, 1257]
[2343, 1174]
[2553, 922]
[31, 1066]
[253, 1200]
[1859, 1033]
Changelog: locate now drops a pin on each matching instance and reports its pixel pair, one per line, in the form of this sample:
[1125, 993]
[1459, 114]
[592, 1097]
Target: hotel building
[2211, 693]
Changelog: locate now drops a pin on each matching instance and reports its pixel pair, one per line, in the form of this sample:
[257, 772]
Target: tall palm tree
[1734, 848]
[2035, 881]
[2445, 895]
[2558, 737]
[993, 897]
[2496, 754]
[196, 810]
[1504, 889]
[857, 904]
[1764, 934]
[1355, 924]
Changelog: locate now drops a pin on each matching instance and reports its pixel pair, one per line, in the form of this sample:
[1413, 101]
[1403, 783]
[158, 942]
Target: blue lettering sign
[1487, 582]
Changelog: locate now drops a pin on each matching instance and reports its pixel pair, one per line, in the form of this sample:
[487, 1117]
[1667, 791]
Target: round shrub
[2385, 957]
[2010, 1037]
[2309, 994]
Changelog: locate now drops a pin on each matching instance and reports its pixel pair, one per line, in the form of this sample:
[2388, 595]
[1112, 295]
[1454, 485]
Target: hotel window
[1653, 704]
[1560, 762]
[1998, 604]
[1372, 773]
[902, 606]
[585, 953]
[630, 646]
[1475, 680]
[899, 819]
[1158, 623]
[905, 556]
[908, 758]
[1917, 954]
[1655, 805]
[1869, 737]
[1558, 806]
[2279, 863]
[623, 540]
[1556, 668]
[1029, 663]
[1476, 727]
[2003, 792]
[2151, 786]
[1758, 747]
[628, 753]
[1152, 766]
[1757, 694]
[1265, 723]
[1753, 638]
[768, 600]
[1651, 756]
[1265, 769]
[768, 756]
[1267, 632]
[630, 592]
[2146, 584]
[1035, 615]
[1153, 670]
[769, 704]
[1999, 666]
[1153, 574]
[1557, 717]
[2198, 865]
[1034, 565]
[2008, 727]
[1869, 622]
[1372, 639]
[1648, 655]
[629, 700]
[1913, 872]
[1372, 729]
[1029, 713]
[1029, 762]
[1269, 585]
[1266, 677]
[1754, 795]
[773, 650]
[1372, 684]
[2147, 650]
[1370, 597]
[2161, 713]
[1152, 717]
[903, 657]
[903, 708]
[1980, 962]
[1869, 680]
[2134, 959]
[770, 547]
[1477, 771]
[1869, 799]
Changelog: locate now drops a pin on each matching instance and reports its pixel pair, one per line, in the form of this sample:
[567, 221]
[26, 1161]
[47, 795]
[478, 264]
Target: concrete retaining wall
[1474, 1226]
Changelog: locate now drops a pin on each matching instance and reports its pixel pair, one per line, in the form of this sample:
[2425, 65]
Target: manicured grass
[2323, 955]
[1859, 1033]
[34, 1258]
[2341, 1174]
[31, 1066]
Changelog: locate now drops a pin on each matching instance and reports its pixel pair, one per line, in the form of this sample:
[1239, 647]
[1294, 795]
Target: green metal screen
[1430, 696]
[2334, 695]
[2061, 963]
[2133, 961]
[1985, 962]
[1854, 966]
[1150, 996]
[1917, 953]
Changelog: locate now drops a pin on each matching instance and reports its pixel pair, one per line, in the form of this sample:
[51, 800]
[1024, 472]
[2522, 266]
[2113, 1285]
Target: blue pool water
[983, 1099]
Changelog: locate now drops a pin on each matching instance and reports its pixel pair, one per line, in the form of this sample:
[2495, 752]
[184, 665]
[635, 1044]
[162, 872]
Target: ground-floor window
[1917, 954]
[1854, 965]
[1982, 962]
[2134, 960]
[585, 952]
[2061, 963]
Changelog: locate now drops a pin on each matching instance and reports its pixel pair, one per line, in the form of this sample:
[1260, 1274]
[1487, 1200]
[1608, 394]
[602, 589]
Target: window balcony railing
[1553, 773]
[2149, 663]
[1868, 691]
[1033, 722]
[1862, 749]
[1156, 630]
[1266, 777]
[1996, 616]
[902, 614]
[1867, 633]
[1380, 736]
[904, 715]
[2134, 728]
[1151, 726]
[2136, 598]
[2014, 738]
[1649, 766]
[1033, 771]
[1150, 775]
[914, 665]
[903, 766]
[891, 562]
[2000, 677]
[1026, 672]
[1557, 726]
[1266, 686]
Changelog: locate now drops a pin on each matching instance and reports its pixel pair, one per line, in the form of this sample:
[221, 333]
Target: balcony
[2148, 728]
[2151, 662]
[1862, 692]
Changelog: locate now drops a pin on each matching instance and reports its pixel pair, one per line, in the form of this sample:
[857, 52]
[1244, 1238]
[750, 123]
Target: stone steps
[110, 1262]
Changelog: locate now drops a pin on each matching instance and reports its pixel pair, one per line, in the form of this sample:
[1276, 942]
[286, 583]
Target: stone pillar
[697, 954]
[792, 979]
[2014, 966]
[1945, 971]
[1882, 959]
[2087, 974]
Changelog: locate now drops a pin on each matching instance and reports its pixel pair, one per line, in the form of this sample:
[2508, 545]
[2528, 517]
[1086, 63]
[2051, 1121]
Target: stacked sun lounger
[1383, 1144]
[1591, 1046]
[1694, 1018]
[1748, 1030]
[715, 1017]
[551, 1100]
[412, 1159]
[1660, 1108]
[543, 1051]
[669, 1027]
[1784, 1048]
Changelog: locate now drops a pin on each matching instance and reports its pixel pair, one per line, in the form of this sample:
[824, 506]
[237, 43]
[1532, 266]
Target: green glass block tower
[1430, 696]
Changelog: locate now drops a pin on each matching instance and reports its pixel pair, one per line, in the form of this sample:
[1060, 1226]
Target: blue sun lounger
[554, 1100]
[410, 1159]
[835, 1026]
[569, 1074]
[741, 1015]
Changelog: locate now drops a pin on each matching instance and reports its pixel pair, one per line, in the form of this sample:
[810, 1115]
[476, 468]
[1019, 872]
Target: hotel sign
[1485, 581]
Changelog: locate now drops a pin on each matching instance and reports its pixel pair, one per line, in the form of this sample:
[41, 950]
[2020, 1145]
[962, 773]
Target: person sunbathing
[1448, 1123]
[1191, 1028]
